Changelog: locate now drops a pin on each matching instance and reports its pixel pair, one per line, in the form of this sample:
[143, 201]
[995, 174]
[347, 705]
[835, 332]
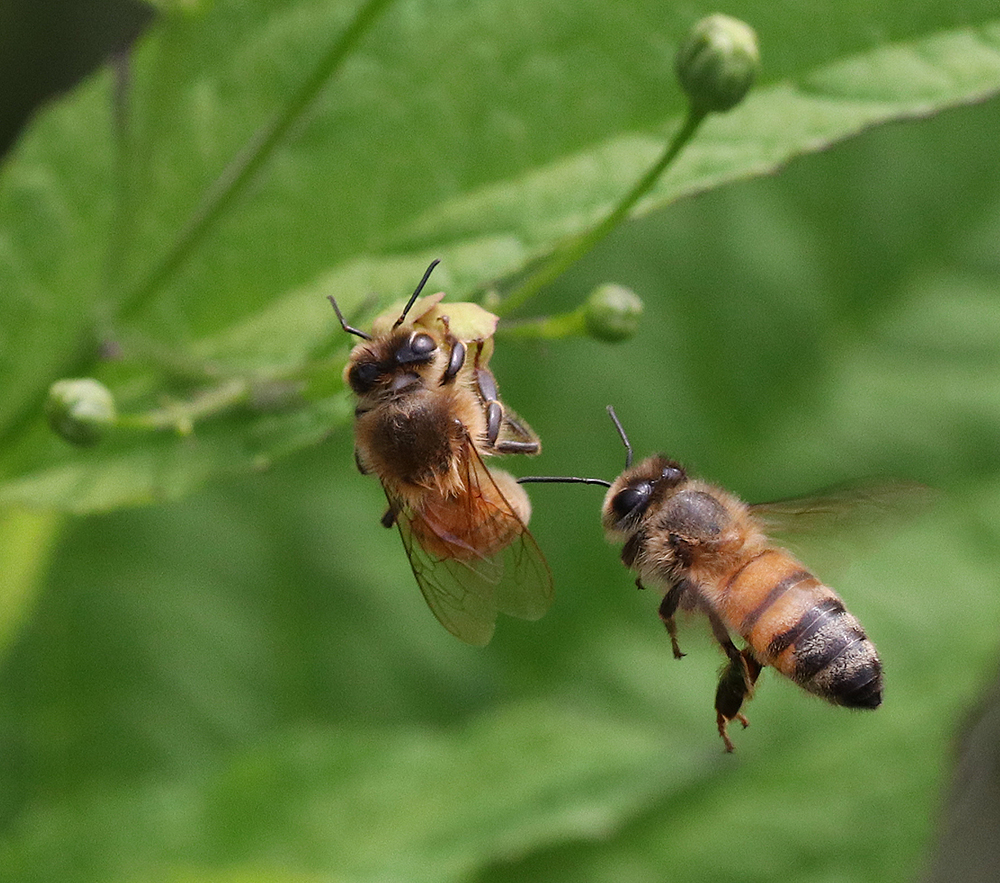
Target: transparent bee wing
[833, 526]
[473, 556]
[466, 610]
[848, 508]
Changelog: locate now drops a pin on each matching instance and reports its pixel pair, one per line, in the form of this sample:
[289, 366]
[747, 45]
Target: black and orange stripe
[800, 626]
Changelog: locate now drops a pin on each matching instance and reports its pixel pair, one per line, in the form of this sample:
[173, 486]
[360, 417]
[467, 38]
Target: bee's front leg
[455, 362]
[496, 418]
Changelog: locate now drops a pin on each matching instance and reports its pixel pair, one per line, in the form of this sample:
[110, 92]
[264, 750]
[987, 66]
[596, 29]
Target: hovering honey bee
[710, 553]
[427, 412]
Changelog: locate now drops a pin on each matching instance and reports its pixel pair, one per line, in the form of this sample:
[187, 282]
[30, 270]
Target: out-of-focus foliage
[244, 684]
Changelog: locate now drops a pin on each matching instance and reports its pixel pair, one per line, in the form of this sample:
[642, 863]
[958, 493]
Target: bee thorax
[413, 441]
[694, 516]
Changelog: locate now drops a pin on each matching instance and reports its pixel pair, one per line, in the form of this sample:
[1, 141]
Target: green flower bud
[612, 312]
[717, 62]
[80, 409]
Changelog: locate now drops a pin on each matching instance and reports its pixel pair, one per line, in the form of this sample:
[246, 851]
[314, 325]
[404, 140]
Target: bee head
[630, 495]
[386, 361]
[391, 364]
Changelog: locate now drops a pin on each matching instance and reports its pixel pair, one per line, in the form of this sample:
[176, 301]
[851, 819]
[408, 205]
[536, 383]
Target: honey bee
[427, 412]
[710, 553]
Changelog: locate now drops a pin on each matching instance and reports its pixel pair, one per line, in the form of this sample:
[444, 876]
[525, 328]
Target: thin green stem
[254, 154]
[556, 327]
[124, 205]
[567, 255]
[181, 416]
[224, 394]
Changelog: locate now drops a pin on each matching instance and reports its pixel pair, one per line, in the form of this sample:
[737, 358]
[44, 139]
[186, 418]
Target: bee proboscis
[428, 412]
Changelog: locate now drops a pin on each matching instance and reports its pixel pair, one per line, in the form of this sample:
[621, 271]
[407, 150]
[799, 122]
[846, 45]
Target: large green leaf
[368, 147]
[414, 804]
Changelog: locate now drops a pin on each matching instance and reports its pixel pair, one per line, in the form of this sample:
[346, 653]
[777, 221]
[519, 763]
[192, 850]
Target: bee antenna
[561, 479]
[416, 293]
[621, 432]
[350, 329]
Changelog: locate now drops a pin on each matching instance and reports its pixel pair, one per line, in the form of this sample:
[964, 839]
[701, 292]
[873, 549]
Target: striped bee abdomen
[800, 627]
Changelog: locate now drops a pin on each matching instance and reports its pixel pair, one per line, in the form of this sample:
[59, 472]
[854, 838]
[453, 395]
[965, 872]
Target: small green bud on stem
[80, 409]
[612, 313]
[717, 62]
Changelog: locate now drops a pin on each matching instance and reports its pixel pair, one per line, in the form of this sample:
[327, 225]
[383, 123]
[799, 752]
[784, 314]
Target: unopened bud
[612, 312]
[717, 62]
[80, 409]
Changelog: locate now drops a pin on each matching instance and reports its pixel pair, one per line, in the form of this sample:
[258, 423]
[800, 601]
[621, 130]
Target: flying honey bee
[710, 553]
[427, 412]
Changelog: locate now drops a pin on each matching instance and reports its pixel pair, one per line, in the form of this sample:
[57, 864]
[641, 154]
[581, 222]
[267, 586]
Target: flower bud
[80, 409]
[612, 312]
[717, 62]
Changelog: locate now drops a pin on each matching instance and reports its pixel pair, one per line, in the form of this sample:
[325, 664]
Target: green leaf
[366, 805]
[775, 124]
[271, 153]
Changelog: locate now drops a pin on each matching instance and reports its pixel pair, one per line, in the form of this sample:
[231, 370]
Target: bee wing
[845, 508]
[826, 525]
[473, 556]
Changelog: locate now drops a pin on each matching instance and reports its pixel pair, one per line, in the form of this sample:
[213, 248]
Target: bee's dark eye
[417, 349]
[422, 344]
[632, 500]
[363, 376]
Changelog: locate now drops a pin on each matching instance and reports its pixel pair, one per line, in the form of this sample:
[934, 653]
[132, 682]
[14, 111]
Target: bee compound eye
[363, 376]
[631, 501]
[422, 344]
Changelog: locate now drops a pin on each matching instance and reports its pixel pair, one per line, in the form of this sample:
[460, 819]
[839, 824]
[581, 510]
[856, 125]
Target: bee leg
[733, 690]
[753, 669]
[389, 518]
[495, 418]
[668, 607]
[455, 362]
[491, 397]
[723, 724]
[736, 686]
[736, 682]
[529, 445]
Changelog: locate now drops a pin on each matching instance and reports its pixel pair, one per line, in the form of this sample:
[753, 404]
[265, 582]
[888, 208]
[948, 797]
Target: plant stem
[568, 254]
[545, 328]
[181, 416]
[230, 392]
[245, 164]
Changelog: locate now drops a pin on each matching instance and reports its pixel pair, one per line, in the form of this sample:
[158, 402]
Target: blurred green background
[246, 684]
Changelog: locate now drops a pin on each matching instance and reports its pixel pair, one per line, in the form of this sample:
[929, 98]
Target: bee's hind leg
[736, 683]
[735, 687]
